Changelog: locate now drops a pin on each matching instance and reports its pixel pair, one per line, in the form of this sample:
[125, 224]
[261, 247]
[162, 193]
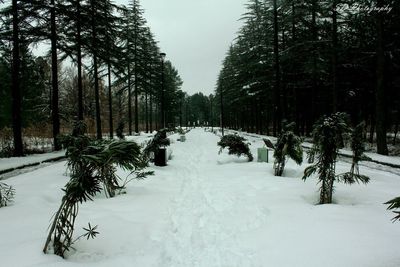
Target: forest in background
[298, 60]
[103, 66]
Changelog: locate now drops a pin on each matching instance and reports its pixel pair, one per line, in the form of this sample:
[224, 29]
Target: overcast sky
[195, 35]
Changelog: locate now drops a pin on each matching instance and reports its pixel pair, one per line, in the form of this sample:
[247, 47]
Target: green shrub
[235, 145]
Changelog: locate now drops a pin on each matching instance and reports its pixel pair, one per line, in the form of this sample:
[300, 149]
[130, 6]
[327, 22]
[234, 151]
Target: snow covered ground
[9, 163]
[210, 210]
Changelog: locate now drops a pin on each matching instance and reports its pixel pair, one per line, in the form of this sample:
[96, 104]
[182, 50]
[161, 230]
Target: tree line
[102, 66]
[298, 60]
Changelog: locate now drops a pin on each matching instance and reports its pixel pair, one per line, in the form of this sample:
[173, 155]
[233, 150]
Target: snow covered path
[210, 210]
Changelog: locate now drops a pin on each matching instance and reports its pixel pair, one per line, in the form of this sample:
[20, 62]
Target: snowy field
[210, 210]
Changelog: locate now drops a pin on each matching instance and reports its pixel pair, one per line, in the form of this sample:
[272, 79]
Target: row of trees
[116, 65]
[298, 60]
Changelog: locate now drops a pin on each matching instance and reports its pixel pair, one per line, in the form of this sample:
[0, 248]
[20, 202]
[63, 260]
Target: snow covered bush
[159, 140]
[7, 194]
[328, 136]
[287, 145]
[235, 145]
[179, 130]
[92, 164]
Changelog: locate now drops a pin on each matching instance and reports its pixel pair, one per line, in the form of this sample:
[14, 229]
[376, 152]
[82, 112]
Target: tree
[277, 92]
[287, 145]
[54, 67]
[15, 87]
[328, 136]
[380, 85]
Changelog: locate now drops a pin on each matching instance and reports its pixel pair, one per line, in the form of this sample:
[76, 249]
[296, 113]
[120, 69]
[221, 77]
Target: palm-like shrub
[235, 145]
[328, 136]
[92, 165]
[7, 194]
[358, 148]
[287, 145]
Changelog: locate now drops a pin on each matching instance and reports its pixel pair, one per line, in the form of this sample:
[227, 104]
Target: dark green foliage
[7, 194]
[287, 145]
[235, 145]
[394, 205]
[90, 232]
[323, 59]
[328, 136]
[159, 140]
[92, 165]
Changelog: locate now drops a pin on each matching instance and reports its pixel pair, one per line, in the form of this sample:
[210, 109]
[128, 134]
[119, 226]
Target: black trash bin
[160, 157]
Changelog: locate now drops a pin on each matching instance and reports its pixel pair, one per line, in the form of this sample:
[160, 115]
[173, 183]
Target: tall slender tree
[380, 86]
[55, 113]
[15, 88]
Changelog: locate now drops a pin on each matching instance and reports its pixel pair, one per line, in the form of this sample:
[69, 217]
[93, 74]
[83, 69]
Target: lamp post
[162, 56]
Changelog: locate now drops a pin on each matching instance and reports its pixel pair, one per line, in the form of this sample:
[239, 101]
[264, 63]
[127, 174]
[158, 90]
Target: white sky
[195, 35]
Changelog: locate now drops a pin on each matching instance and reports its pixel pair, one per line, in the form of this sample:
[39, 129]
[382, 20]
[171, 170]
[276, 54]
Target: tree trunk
[54, 78]
[334, 56]
[222, 112]
[96, 72]
[311, 118]
[146, 111]
[15, 86]
[129, 100]
[136, 97]
[277, 111]
[151, 114]
[380, 86]
[110, 106]
[79, 60]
